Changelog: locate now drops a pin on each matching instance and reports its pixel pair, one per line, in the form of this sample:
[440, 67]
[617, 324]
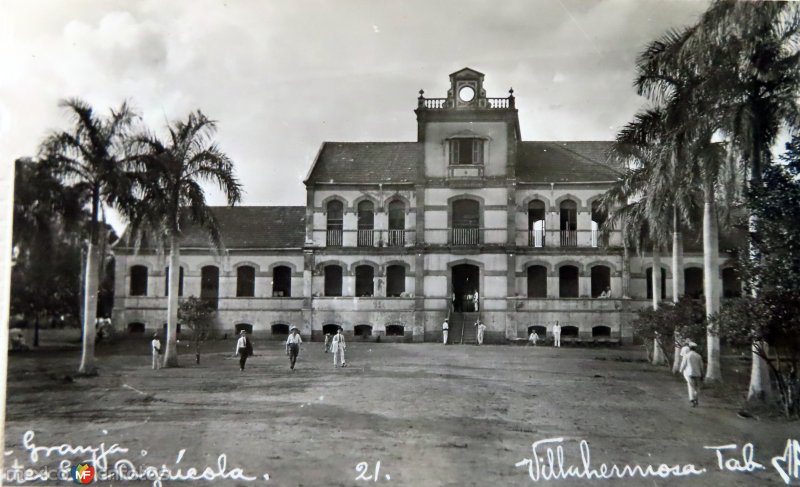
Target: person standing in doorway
[476, 298]
[557, 335]
[155, 348]
[327, 342]
[244, 348]
[293, 346]
[692, 369]
[480, 330]
[445, 329]
[533, 338]
[339, 347]
[453, 302]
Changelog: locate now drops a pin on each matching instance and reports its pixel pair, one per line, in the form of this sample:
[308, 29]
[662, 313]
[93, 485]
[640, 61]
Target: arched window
[209, 285]
[539, 329]
[601, 281]
[598, 218]
[330, 329]
[138, 280]
[166, 282]
[365, 285]
[394, 330]
[335, 211]
[395, 281]
[362, 331]
[466, 222]
[569, 223]
[281, 281]
[731, 283]
[135, 327]
[649, 275]
[245, 281]
[333, 280]
[248, 328]
[397, 224]
[537, 281]
[366, 224]
[568, 282]
[601, 331]
[569, 331]
[536, 212]
[693, 282]
[279, 329]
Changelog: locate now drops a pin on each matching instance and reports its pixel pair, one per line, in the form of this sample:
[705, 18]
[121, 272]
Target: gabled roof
[366, 162]
[466, 70]
[555, 162]
[262, 227]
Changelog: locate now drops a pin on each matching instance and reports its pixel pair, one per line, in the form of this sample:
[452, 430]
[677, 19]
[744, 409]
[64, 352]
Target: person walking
[327, 342]
[481, 329]
[339, 347]
[244, 349]
[533, 338]
[293, 346]
[557, 335]
[155, 348]
[692, 369]
[445, 329]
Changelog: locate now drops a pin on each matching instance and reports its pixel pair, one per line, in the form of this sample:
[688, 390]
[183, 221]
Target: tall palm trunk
[677, 280]
[91, 278]
[711, 280]
[171, 355]
[655, 275]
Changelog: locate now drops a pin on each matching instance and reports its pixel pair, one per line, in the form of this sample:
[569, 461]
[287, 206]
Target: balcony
[396, 238]
[569, 238]
[536, 238]
[334, 237]
[598, 239]
[465, 236]
[365, 237]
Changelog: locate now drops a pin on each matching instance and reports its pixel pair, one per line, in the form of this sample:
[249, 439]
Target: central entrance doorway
[465, 281]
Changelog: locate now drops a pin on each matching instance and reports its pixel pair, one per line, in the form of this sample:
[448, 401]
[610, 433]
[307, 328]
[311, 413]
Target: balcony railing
[397, 238]
[536, 238]
[598, 239]
[465, 236]
[569, 238]
[365, 238]
[334, 237]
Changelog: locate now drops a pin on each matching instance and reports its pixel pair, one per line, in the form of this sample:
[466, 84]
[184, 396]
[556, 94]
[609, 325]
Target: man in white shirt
[155, 347]
[557, 335]
[692, 369]
[243, 349]
[293, 346]
[477, 299]
[533, 338]
[445, 328]
[338, 345]
[481, 329]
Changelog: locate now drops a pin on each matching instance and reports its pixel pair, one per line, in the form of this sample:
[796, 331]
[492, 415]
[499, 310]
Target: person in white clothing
[244, 349]
[692, 369]
[477, 299]
[293, 346]
[155, 347]
[557, 335]
[481, 329]
[338, 346]
[445, 328]
[533, 338]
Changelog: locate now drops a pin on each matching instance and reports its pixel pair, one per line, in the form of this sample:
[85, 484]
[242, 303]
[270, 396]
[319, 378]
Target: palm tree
[170, 173]
[755, 80]
[90, 156]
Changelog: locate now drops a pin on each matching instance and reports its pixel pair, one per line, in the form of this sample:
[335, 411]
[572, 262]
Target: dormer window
[466, 151]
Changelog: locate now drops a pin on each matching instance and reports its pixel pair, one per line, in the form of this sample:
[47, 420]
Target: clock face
[466, 93]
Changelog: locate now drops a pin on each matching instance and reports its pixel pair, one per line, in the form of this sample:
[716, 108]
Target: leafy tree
[168, 182]
[90, 158]
[769, 315]
[198, 316]
[662, 326]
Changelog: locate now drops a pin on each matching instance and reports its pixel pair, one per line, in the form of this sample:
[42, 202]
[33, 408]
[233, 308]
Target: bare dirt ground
[431, 415]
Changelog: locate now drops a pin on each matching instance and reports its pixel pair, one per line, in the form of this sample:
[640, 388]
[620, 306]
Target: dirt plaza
[399, 414]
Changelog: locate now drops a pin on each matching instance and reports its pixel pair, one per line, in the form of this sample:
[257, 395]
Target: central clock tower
[466, 90]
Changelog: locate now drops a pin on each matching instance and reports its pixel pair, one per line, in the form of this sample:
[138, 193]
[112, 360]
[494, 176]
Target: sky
[281, 77]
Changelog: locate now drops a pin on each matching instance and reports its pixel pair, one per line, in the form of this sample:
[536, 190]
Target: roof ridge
[590, 160]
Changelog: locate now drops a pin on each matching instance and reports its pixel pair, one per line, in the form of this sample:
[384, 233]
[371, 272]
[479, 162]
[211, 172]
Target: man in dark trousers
[244, 349]
[293, 346]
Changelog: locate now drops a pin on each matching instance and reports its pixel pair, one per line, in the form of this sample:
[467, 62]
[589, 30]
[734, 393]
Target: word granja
[548, 463]
[109, 463]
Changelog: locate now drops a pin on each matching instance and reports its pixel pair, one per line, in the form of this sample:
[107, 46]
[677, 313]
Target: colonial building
[397, 236]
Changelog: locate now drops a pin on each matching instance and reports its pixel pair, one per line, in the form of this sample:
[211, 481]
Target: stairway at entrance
[462, 328]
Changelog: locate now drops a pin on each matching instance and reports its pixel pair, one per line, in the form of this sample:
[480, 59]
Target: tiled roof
[262, 227]
[366, 162]
[565, 162]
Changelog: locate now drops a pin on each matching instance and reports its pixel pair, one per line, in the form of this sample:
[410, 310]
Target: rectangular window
[466, 151]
